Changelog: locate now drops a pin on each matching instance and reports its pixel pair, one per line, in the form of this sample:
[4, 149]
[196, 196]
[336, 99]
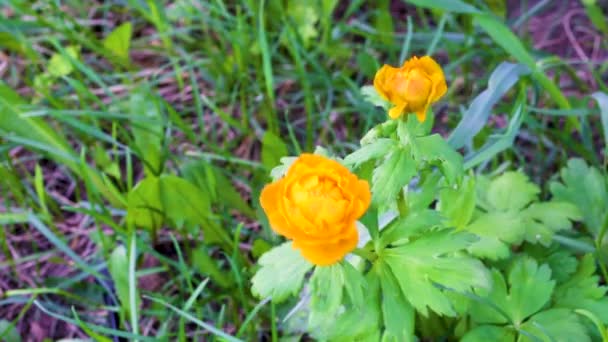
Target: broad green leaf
[434, 149]
[370, 95]
[374, 150]
[457, 203]
[147, 129]
[280, 170]
[400, 231]
[354, 284]
[326, 292]
[281, 274]
[531, 287]
[456, 6]
[118, 264]
[119, 40]
[429, 260]
[476, 116]
[585, 187]
[358, 323]
[555, 325]
[171, 199]
[582, 291]
[212, 181]
[273, 149]
[392, 175]
[383, 22]
[511, 191]
[398, 314]
[61, 65]
[496, 231]
[562, 263]
[486, 333]
[493, 308]
[8, 332]
[546, 218]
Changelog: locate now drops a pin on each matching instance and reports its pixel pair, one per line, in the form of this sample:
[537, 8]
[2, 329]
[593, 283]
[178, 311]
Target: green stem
[365, 254]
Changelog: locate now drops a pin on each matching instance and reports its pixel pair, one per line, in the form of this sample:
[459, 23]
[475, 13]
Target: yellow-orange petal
[421, 113]
[271, 200]
[325, 254]
[396, 111]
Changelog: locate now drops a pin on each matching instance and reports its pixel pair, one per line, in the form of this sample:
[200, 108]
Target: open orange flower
[316, 205]
[411, 88]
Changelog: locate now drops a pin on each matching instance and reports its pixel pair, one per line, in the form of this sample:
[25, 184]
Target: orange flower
[316, 205]
[411, 88]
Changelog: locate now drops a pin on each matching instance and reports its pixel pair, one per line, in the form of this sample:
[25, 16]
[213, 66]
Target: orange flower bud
[411, 88]
[316, 205]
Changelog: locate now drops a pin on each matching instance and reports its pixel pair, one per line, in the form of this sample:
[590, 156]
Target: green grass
[204, 84]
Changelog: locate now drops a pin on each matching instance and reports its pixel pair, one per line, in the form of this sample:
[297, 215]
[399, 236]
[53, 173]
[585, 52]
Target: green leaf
[273, 149]
[147, 129]
[544, 219]
[434, 149]
[61, 65]
[504, 37]
[582, 291]
[280, 170]
[456, 6]
[354, 284]
[555, 325]
[485, 333]
[119, 40]
[370, 94]
[8, 332]
[212, 181]
[457, 203]
[358, 323]
[429, 260]
[401, 231]
[496, 231]
[154, 201]
[397, 312]
[281, 274]
[374, 150]
[530, 288]
[475, 117]
[511, 191]
[326, 291]
[392, 175]
[584, 187]
[118, 264]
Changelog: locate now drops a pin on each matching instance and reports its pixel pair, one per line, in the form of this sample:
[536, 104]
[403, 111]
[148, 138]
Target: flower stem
[365, 254]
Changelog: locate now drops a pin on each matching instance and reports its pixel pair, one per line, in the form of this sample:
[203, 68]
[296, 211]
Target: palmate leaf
[529, 289]
[398, 314]
[485, 333]
[555, 325]
[582, 291]
[586, 188]
[512, 216]
[281, 274]
[428, 263]
[392, 175]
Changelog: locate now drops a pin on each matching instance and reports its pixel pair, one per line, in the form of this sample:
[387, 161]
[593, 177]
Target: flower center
[416, 88]
[320, 200]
